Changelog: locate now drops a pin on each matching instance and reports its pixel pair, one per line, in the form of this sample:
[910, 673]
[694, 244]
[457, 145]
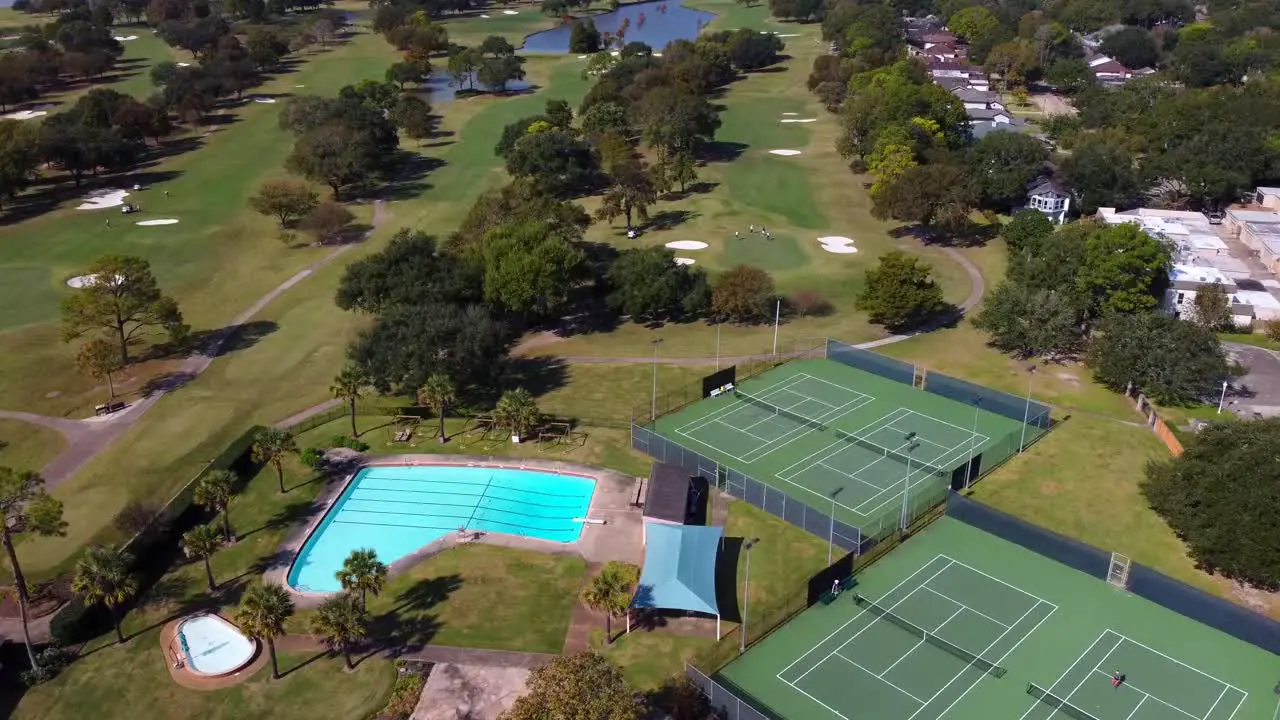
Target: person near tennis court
[1117, 679]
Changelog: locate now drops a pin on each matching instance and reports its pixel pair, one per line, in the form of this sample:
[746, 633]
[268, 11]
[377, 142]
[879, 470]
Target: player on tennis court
[1117, 679]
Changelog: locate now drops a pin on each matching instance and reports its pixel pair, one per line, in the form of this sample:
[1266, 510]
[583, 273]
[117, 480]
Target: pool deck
[620, 538]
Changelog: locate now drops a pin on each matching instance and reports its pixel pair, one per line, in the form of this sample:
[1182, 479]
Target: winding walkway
[89, 437]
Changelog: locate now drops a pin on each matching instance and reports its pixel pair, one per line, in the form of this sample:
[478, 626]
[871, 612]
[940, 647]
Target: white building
[1048, 197]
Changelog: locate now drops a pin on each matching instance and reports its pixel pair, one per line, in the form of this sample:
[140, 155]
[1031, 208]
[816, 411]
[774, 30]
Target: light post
[1031, 376]
[653, 406]
[973, 439]
[717, 345]
[831, 534]
[1222, 399]
[777, 316]
[746, 584]
[911, 444]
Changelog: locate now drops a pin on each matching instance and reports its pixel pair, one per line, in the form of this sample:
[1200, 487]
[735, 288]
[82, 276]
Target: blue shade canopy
[679, 568]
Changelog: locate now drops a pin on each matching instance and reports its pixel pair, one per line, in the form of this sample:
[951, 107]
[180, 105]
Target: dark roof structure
[667, 497]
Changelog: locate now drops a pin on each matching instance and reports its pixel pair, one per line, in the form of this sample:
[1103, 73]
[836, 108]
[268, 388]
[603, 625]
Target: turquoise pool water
[213, 646]
[397, 510]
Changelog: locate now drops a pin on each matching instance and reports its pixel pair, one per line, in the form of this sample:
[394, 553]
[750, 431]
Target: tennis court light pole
[1031, 376]
[746, 584]
[906, 481]
[777, 315]
[653, 407]
[968, 471]
[831, 534]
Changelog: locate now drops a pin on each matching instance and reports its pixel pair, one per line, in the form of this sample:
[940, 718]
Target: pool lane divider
[478, 501]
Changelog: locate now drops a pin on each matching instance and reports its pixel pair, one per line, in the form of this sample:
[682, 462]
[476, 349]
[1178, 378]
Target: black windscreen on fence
[1202, 607]
[1072, 553]
[887, 367]
[1000, 403]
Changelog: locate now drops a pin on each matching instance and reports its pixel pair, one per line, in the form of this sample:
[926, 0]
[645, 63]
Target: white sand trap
[799, 120]
[790, 113]
[685, 261]
[161, 221]
[787, 153]
[657, 54]
[125, 38]
[510, 12]
[24, 115]
[835, 240]
[687, 245]
[582, 57]
[615, 53]
[103, 199]
[486, 17]
[184, 64]
[840, 249]
[264, 100]
[80, 281]
[299, 86]
[790, 35]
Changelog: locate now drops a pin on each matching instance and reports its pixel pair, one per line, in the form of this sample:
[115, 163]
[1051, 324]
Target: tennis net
[777, 410]
[985, 665]
[894, 455]
[1062, 705]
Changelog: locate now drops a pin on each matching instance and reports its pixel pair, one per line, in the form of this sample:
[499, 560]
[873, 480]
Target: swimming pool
[398, 509]
[213, 646]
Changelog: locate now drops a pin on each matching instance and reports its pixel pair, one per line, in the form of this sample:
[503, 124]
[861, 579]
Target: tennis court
[957, 623]
[836, 437]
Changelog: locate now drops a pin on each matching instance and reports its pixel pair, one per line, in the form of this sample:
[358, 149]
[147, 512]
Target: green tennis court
[957, 623]
[833, 436]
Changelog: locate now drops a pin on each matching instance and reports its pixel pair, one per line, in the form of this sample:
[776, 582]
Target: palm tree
[439, 394]
[102, 575]
[364, 572]
[271, 446]
[202, 542]
[517, 410]
[214, 491]
[26, 508]
[340, 622]
[610, 593]
[262, 613]
[347, 386]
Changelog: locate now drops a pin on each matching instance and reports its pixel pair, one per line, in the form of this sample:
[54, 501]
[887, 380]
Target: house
[977, 99]
[999, 117]
[982, 128]
[1047, 196]
[1257, 225]
[1180, 302]
[1111, 72]
[972, 75]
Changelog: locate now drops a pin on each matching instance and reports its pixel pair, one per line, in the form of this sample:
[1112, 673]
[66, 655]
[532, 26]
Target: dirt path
[86, 438]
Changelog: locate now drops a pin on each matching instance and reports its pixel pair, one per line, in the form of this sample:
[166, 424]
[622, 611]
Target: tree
[19, 153]
[1213, 307]
[123, 298]
[743, 294]
[899, 292]
[647, 284]
[682, 169]
[439, 394]
[1031, 322]
[98, 359]
[262, 613]
[559, 114]
[402, 73]
[632, 190]
[1071, 75]
[347, 386]
[271, 446]
[1026, 227]
[341, 623]
[1124, 270]
[675, 119]
[529, 270]
[25, 508]
[584, 39]
[202, 542]
[214, 491]
[752, 50]
[285, 200]
[336, 155]
[517, 411]
[407, 343]
[555, 160]
[1002, 164]
[584, 686]
[409, 271]
[413, 116]
[327, 221]
[362, 572]
[1132, 47]
[1173, 361]
[1102, 171]
[604, 117]
[102, 575]
[1220, 495]
[610, 593]
[934, 195]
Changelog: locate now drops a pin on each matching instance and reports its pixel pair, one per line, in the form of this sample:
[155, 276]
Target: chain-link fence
[728, 701]
[874, 363]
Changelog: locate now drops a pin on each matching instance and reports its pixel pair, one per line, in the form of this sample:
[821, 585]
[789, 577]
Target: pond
[440, 87]
[653, 23]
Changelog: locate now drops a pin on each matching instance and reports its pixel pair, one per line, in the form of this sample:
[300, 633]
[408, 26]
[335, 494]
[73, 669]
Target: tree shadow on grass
[410, 625]
[721, 151]
[406, 179]
[318, 656]
[284, 517]
[537, 374]
[166, 382]
[60, 190]
[668, 219]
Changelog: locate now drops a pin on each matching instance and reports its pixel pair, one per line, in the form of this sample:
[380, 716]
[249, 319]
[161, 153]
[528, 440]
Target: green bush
[404, 697]
[312, 457]
[344, 441]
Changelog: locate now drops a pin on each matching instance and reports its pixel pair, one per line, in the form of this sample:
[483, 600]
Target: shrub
[76, 623]
[807, 303]
[312, 458]
[404, 697]
[343, 441]
[1272, 329]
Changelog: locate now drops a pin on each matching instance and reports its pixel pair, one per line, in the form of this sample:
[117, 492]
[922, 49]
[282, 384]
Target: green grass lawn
[28, 447]
[1258, 339]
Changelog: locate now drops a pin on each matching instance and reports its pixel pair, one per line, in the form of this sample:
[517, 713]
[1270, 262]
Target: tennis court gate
[725, 703]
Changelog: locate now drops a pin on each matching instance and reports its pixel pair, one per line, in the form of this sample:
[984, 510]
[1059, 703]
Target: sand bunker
[790, 113]
[799, 120]
[264, 100]
[486, 17]
[687, 245]
[685, 261]
[184, 64]
[657, 54]
[582, 57]
[125, 38]
[161, 221]
[510, 12]
[789, 35]
[299, 86]
[103, 199]
[838, 244]
[24, 115]
[787, 153]
[80, 282]
[840, 249]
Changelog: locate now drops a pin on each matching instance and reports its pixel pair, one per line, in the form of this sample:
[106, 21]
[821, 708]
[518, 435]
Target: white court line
[1135, 707]
[1007, 652]
[894, 499]
[970, 665]
[805, 430]
[1002, 582]
[838, 471]
[838, 444]
[733, 407]
[834, 385]
[1035, 705]
[895, 662]
[1215, 704]
[1176, 660]
[966, 607]
[881, 679]
[1243, 696]
[1137, 689]
[855, 617]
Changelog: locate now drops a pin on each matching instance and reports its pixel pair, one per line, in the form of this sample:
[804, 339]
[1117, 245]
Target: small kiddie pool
[398, 509]
[211, 646]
